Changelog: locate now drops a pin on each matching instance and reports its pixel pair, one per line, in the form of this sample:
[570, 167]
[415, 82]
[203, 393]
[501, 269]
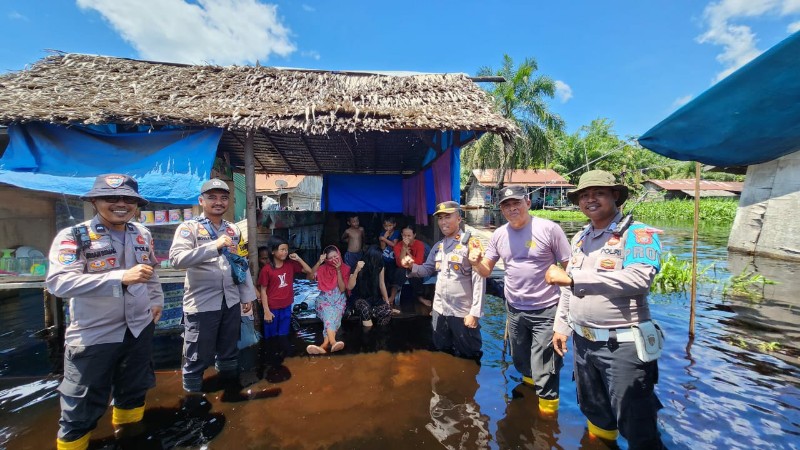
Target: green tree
[596, 146]
[522, 99]
[685, 169]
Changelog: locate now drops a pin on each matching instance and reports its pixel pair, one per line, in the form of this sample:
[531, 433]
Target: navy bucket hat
[111, 184]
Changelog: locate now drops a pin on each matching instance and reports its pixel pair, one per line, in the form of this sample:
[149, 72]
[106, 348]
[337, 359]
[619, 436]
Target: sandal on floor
[315, 350]
[337, 346]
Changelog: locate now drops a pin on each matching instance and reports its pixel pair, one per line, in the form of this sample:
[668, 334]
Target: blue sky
[632, 62]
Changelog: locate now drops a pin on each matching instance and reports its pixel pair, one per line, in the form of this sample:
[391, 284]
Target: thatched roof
[304, 121]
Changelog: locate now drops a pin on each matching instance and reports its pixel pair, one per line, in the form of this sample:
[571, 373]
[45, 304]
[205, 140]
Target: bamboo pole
[694, 246]
[250, 193]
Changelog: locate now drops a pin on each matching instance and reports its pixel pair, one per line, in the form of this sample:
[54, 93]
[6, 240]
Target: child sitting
[334, 280]
[371, 299]
[409, 246]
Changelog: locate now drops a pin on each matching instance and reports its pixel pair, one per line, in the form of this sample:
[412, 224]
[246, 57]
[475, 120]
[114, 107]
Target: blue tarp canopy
[750, 117]
[385, 193]
[170, 165]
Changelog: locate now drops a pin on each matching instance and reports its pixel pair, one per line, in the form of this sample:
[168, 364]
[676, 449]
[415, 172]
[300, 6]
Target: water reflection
[456, 420]
[521, 425]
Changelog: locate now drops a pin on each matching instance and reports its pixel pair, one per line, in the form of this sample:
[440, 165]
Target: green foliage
[738, 341]
[769, 346]
[712, 211]
[522, 99]
[686, 169]
[559, 216]
[676, 275]
[596, 146]
[717, 212]
[748, 284]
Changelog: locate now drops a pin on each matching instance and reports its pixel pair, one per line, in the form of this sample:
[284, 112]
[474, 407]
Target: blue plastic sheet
[384, 193]
[362, 193]
[170, 165]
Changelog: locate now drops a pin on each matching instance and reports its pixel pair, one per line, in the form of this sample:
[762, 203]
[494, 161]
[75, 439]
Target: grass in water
[769, 346]
[714, 212]
[559, 216]
[676, 275]
[747, 284]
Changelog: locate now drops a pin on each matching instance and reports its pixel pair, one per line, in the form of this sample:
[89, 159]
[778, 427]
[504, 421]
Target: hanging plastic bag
[248, 335]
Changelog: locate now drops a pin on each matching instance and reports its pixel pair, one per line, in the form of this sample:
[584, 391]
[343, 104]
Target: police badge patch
[114, 181]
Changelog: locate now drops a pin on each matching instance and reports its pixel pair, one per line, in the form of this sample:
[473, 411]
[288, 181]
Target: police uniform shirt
[208, 272]
[101, 309]
[459, 289]
[612, 277]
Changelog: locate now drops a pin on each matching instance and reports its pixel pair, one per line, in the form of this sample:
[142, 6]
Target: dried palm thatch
[304, 121]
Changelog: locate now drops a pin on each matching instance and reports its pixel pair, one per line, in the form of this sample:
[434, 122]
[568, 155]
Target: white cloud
[17, 16]
[313, 54]
[790, 7]
[201, 31]
[738, 41]
[308, 8]
[563, 91]
[680, 101]
[793, 27]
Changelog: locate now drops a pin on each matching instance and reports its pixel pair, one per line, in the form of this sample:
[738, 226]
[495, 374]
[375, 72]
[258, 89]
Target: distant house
[545, 185]
[681, 189]
[289, 192]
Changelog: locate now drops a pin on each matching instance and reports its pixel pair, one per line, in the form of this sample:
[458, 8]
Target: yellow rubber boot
[127, 422]
[608, 435]
[548, 407]
[81, 443]
[528, 381]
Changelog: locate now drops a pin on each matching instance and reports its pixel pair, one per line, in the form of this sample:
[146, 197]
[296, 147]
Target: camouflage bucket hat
[598, 178]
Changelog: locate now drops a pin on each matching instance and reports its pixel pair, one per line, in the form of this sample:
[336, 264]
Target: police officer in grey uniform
[460, 290]
[604, 301]
[104, 267]
[211, 311]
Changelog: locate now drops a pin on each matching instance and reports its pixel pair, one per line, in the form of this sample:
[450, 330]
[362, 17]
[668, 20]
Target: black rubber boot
[195, 404]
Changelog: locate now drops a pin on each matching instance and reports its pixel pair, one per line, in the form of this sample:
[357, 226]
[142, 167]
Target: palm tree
[521, 99]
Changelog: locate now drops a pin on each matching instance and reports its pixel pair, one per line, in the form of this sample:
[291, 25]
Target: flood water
[726, 388]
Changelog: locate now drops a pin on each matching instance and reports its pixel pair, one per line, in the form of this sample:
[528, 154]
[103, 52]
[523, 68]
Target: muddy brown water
[387, 390]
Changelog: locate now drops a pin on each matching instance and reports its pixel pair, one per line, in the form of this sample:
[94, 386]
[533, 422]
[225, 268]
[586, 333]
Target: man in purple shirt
[528, 246]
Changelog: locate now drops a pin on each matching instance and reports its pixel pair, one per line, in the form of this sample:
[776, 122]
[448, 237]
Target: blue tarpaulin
[384, 193]
[750, 117]
[170, 165]
[362, 193]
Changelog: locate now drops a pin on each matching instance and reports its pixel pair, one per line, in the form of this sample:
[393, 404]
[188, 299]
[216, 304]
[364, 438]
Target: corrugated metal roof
[688, 184]
[710, 193]
[528, 177]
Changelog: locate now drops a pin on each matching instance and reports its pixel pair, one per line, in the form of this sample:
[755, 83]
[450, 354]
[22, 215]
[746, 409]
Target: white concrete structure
[768, 219]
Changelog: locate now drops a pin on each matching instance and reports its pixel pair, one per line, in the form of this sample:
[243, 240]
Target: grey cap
[214, 183]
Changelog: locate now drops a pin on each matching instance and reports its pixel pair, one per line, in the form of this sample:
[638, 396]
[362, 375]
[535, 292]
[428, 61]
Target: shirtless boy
[354, 236]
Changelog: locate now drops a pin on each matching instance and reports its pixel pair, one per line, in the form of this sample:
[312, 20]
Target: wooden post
[250, 193]
[694, 247]
[53, 311]
[49, 319]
